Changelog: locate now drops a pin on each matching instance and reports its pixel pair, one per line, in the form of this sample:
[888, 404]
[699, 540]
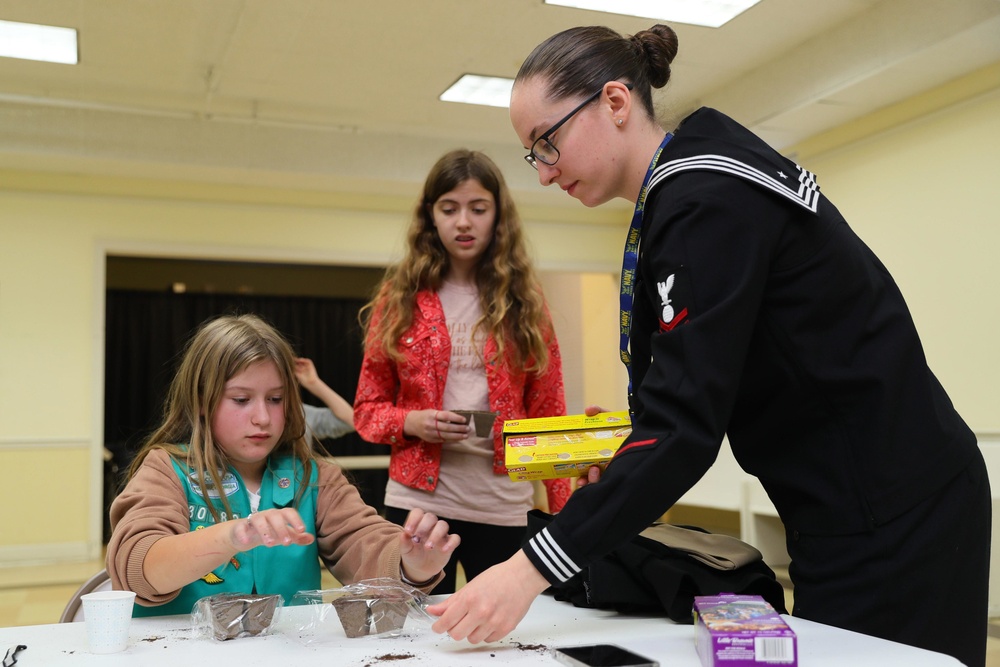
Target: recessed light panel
[708, 13]
[31, 41]
[491, 91]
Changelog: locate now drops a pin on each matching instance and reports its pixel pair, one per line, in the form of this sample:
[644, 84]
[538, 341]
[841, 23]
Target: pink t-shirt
[468, 489]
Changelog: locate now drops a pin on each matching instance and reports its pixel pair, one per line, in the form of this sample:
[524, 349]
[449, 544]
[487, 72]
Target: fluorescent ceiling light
[709, 13]
[31, 41]
[491, 91]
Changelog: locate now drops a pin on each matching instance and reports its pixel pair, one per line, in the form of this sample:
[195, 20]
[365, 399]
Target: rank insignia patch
[674, 294]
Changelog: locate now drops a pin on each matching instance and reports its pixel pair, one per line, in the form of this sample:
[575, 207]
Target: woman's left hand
[425, 545]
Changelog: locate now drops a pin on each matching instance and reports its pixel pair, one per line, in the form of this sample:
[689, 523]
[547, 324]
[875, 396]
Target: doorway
[153, 305]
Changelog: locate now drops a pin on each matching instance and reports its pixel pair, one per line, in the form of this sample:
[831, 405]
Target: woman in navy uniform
[750, 308]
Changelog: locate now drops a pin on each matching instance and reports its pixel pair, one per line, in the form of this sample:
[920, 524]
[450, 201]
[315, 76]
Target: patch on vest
[230, 485]
[675, 296]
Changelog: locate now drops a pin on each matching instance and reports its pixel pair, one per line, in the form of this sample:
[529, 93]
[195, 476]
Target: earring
[620, 121]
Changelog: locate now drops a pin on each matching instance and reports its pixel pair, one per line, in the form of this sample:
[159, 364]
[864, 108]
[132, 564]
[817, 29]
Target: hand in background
[305, 373]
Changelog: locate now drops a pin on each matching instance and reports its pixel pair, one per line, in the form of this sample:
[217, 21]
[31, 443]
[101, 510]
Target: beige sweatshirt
[354, 541]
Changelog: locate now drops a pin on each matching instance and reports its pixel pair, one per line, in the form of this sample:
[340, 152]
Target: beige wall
[924, 197]
[52, 252]
[921, 194]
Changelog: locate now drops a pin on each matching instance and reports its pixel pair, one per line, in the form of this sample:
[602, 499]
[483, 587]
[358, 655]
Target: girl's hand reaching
[425, 546]
[305, 373]
[270, 528]
[175, 561]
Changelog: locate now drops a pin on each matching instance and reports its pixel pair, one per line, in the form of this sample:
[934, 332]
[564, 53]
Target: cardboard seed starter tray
[553, 447]
[741, 631]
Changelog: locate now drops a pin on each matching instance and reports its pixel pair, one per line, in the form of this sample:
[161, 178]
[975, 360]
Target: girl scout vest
[284, 570]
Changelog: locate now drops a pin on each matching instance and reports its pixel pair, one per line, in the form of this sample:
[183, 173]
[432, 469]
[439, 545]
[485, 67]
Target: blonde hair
[219, 350]
[514, 312]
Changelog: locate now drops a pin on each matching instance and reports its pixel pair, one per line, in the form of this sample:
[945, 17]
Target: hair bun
[658, 47]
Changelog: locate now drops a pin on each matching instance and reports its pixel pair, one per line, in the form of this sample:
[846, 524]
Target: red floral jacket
[388, 390]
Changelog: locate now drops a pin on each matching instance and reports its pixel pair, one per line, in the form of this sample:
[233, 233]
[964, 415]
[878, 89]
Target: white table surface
[169, 641]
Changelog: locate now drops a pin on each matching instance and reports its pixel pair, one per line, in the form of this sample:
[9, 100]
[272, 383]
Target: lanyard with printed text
[630, 261]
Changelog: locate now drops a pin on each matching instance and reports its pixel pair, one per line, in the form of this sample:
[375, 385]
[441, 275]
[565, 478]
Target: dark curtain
[146, 331]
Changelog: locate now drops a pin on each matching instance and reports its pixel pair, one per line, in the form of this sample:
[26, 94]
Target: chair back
[74, 609]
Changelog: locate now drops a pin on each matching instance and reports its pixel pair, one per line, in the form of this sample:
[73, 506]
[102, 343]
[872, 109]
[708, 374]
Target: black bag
[648, 576]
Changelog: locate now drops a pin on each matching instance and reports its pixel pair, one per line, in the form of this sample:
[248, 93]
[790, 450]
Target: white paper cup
[108, 615]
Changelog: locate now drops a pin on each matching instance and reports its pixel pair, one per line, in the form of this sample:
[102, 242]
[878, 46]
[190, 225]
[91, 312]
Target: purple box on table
[741, 631]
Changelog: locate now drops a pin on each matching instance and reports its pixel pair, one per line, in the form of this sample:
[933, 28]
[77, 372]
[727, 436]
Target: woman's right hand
[436, 426]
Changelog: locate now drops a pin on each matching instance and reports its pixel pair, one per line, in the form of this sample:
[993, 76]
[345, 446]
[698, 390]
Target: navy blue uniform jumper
[759, 314]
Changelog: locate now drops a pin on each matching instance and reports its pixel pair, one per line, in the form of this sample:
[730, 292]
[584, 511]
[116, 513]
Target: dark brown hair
[579, 61]
[514, 311]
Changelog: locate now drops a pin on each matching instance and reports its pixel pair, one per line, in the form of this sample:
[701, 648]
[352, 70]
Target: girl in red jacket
[460, 324]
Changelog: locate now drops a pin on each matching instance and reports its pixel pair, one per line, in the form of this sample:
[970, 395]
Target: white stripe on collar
[806, 195]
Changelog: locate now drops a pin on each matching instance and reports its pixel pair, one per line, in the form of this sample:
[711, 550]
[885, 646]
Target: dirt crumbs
[390, 657]
[530, 647]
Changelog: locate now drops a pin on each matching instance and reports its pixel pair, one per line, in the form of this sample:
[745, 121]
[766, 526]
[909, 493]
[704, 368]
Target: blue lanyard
[630, 261]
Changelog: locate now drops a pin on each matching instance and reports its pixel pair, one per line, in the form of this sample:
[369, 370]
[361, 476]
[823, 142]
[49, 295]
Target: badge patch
[674, 294]
[230, 485]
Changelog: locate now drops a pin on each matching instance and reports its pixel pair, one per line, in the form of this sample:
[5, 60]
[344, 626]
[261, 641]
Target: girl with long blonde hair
[227, 496]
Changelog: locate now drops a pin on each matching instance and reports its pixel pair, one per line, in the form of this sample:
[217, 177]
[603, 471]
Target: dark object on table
[10, 659]
[601, 655]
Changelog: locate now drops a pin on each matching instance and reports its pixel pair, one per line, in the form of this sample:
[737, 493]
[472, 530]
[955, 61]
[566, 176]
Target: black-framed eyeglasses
[544, 150]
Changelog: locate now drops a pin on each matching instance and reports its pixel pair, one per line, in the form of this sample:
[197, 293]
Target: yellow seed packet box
[552, 447]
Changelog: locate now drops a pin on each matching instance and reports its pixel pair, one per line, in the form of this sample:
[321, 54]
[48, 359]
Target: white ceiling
[341, 96]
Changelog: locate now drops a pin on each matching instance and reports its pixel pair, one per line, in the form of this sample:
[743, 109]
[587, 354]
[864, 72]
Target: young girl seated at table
[227, 495]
